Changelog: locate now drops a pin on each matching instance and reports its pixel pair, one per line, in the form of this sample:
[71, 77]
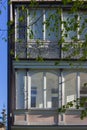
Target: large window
[47, 24]
[75, 27]
[36, 89]
[42, 94]
[43, 89]
[37, 24]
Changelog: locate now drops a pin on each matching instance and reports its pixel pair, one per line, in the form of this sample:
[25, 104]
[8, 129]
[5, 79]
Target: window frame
[44, 25]
[78, 19]
[27, 87]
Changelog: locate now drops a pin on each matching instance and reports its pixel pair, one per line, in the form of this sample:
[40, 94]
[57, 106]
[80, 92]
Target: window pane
[83, 25]
[33, 101]
[20, 89]
[52, 89]
[69, 26]
[37, 91]
[83, 80]
[22, 26]
[33, 96]
[52, 25]
[54, 102]
[35, 24]
[70, 86]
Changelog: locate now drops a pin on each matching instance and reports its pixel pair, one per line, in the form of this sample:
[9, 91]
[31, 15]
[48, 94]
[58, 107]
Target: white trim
[78, 85]
[27, 25]
[16, 89]
[25, 92]
[44, 25]
[78, 36]
[63, 88]
[44, 85]
[29, 90]
[59, 92]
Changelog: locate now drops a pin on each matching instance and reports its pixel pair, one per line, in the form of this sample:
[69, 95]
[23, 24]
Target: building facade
[43, 76]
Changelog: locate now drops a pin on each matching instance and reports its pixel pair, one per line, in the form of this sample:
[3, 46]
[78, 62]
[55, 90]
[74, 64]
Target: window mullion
[29, 89]
[62, 31]
[78, 20]
[78, 85]
[16, 89]
[28, 26]
[44, 25]
[63, 89]
[25, 94]
[44, 78]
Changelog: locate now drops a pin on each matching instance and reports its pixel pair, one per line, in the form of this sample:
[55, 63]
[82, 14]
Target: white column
[78, 29]
[44, 78]
[25, 90]
[63, 89]
[44, 26]
[78, 85]
[16, 89]
[61, 119]
[29, 90]
[62, 28]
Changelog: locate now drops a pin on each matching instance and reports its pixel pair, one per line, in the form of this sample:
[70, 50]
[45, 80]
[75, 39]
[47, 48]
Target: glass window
[83, 25]
[52, 89]
[33, 96]
[83, 80]
[20, 89]
[22, 25]
[52, 25]
[70, 86]
[46, 87]
[37, 91]
[38, 24]
[69, 26]
[35, 24]
[54, 102]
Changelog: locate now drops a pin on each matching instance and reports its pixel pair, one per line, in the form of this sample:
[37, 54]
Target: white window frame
[61, 88]
[44, 89]
[62, 26]
[77, 85]
[44, 26]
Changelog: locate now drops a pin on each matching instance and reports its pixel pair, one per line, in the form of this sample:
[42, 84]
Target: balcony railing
[49, 50]
[36, 117]
[34, 50]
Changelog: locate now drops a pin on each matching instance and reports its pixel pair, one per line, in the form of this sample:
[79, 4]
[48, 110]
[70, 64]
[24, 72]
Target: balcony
[36, 117]
[33, 50]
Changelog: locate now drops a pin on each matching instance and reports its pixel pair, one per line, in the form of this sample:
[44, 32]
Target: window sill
[36, 109]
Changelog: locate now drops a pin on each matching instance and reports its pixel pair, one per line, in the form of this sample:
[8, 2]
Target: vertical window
[75, 25]
[83, 80]
[54, 92]
[37, 93]
[33, 96]
[69, 26]
[35, 27]
[21, 89]
[52, 89]
[54, 102]
[52, 25]
[70, 86]
[83, 25]
[22, 24]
